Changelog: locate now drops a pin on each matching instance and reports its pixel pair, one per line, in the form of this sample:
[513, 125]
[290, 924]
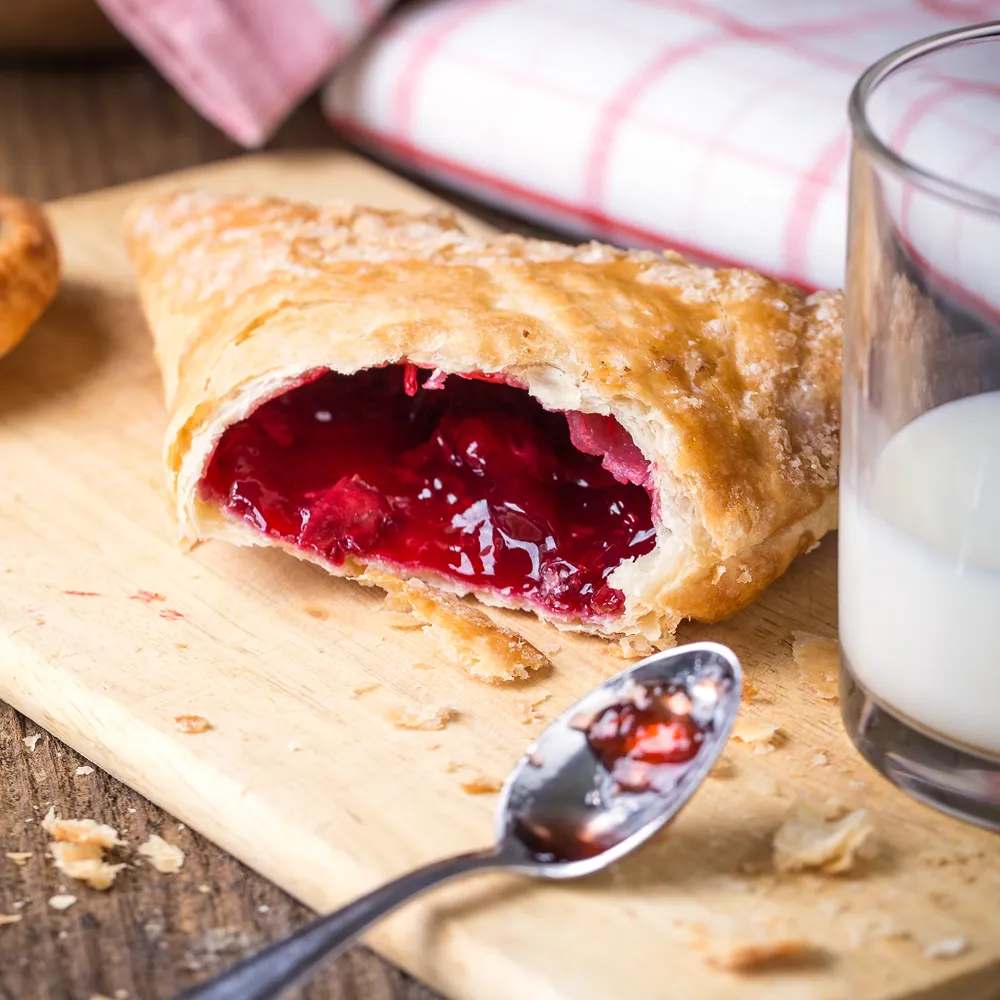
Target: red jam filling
[465, 477]
[638, 736]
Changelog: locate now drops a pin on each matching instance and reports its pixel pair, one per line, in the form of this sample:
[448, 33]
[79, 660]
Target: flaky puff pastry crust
[29, 268]
[727, 381]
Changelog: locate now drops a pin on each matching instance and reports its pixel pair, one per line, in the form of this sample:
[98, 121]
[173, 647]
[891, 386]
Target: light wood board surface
[314, 787]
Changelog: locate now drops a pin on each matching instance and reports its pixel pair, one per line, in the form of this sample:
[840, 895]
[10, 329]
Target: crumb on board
[146, 596]
[808, 839]
[818, 660]
[314, 611]
[62, 901]
[629, 647]
[82, 593]
[949, 947]
[83, 769]
[756, 955]
[481, 784]
[450, 766]
[9, 918]
[723, 768]
[204, 889]
[31, 741]
[548, 647]
[819, 759]
[170, 614]
[463, 635]
[360, 689]
[757, 734]
[426, 719]
[191, 724]
[528, 707]
[20, 858]
[164, 857]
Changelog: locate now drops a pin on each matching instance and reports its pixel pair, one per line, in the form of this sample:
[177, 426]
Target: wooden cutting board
[307, 780]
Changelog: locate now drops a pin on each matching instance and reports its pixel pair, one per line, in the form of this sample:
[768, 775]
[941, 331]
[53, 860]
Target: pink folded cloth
[244, 64]
[713, 126]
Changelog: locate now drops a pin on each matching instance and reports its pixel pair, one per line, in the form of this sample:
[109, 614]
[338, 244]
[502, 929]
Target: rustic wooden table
[69, 129]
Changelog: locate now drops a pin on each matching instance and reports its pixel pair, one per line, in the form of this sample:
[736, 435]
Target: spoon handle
[279, 966]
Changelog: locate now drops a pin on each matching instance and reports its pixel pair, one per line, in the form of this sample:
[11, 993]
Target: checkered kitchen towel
[718, 127]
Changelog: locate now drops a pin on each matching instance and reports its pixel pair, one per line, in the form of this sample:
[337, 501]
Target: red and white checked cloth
[244, 64]
[718, 127]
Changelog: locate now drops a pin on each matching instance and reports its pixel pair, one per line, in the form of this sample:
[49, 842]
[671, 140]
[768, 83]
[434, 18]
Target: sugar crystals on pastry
[614, 440]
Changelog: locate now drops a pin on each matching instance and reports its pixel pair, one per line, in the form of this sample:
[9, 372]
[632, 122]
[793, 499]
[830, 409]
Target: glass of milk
[919, 534]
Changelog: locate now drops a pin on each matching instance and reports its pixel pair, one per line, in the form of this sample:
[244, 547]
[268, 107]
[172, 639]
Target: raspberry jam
[467, 478]
[650, 729]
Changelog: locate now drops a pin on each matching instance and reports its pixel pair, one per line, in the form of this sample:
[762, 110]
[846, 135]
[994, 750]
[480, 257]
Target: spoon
[579, 799]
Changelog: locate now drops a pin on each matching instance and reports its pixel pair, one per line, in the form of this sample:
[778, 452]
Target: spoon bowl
[560, 793]
[603, 778]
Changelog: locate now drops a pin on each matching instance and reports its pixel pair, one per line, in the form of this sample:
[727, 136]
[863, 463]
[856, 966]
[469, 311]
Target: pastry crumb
[723, 768]
[20, 858]
[819, 759]
[481, 784]
[809, 840]
[754, 955]
[629, 647]
[84, 769]
[62, 901]
[818, 660]
[426, 719]
[9, 918]
[314, 611]
[528, 707]
[78, 847]
[80, 831]
[85, 863]
[759, 735]
[192, 724]
[205, 889]
[360, 689]
[164, 857]
[31, 741]
[450, 767]
[949, 947]
[464, 636]
[548, 647]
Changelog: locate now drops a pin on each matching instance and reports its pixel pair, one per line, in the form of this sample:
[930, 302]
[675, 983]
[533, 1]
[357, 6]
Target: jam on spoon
[649, 729]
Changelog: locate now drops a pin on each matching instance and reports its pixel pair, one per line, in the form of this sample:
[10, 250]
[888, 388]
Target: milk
[920, 574]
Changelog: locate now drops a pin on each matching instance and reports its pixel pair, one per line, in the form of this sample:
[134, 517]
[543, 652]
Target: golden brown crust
[728, 381]
[29, 268]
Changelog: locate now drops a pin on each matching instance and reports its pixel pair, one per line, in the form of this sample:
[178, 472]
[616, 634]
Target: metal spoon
[561, 814]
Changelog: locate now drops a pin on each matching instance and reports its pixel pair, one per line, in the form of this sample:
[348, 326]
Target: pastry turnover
[29, 268]
[614, 440]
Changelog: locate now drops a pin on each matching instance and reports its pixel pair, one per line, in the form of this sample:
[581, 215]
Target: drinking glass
[919, 587]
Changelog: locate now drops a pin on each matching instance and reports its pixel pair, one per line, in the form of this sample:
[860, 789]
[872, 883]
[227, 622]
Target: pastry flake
[810, 839]
[464, 636]
[613, 440]
[164, 857]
